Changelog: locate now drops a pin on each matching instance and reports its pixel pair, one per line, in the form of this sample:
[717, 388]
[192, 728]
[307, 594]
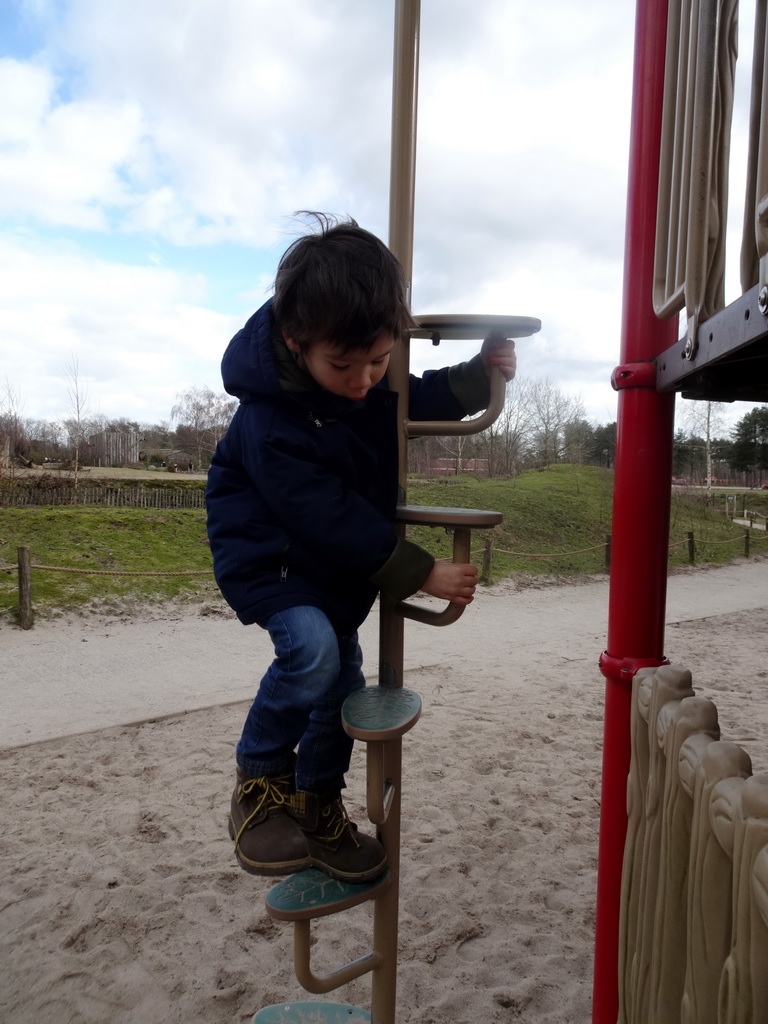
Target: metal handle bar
[462, 521]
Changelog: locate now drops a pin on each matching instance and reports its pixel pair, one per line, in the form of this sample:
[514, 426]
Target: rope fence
[115, 572]
[489, 550]
[25, 566]
[556, 554]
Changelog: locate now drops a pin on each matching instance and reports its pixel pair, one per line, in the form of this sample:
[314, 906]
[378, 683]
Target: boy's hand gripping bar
[466, 326]
[459, 520]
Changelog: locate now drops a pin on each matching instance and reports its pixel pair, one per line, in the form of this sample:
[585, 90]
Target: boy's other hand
[452, 581]
[499, 351]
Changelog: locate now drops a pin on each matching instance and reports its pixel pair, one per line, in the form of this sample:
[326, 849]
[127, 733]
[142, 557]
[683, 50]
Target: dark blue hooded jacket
[302, 488]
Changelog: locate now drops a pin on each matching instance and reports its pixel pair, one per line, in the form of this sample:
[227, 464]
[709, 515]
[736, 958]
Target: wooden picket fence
[114, 497]
[694, 909]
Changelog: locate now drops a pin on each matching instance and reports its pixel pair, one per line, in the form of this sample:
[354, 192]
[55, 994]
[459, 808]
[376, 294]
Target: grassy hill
[562, 510]
[559, 511]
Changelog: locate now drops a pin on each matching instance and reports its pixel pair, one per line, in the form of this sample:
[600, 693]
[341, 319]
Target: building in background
[115, 448]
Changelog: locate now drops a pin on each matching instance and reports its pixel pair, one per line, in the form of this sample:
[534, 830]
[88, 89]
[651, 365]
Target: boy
[301, 497]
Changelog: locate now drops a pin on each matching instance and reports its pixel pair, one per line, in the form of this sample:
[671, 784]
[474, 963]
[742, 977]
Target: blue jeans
[299, 703]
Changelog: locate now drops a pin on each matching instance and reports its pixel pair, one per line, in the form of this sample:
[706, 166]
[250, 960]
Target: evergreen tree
[749, 451]
[604, 445]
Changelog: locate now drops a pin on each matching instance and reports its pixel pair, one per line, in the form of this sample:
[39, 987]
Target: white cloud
[247, 108]
[26, 90]
[61, 162]
[224, 114]
[140, 334]
[181, 126]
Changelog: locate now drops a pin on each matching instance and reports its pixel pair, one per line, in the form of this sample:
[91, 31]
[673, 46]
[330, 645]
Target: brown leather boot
[335, 845]
[267, 839]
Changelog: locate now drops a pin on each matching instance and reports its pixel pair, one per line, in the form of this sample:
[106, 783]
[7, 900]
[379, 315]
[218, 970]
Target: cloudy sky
[152, 153]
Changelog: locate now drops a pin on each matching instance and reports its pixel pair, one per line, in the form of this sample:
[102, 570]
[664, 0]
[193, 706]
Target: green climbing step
[377, 713]
[310, 894]
[312, 1013]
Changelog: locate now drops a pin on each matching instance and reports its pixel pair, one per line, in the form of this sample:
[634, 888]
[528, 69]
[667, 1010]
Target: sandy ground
[121, 901]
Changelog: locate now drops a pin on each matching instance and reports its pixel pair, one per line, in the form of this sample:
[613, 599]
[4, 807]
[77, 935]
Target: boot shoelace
[337, 822]
[272, 790]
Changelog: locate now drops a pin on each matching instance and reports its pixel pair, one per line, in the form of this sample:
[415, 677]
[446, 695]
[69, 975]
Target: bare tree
[507, 441]
[12, 436]
[46, 439]
[422, 453]
[458, 448]
[551, 411]
[77, 390]
[538, 426]
[201, 417]
[707, 420]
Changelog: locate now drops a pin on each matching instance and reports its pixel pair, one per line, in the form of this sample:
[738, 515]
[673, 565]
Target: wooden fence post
[691, 548]
[607, 551]
[487, 558]
[26, 615]
[746, 543]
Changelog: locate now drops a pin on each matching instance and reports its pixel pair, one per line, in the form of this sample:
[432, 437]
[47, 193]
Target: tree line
[198, 420]
[738, 456]
[539, 425]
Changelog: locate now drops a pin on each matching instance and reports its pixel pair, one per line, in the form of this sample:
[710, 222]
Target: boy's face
[349, 374]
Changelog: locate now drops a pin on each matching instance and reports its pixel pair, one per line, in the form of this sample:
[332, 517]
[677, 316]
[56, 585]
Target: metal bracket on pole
[622, 670]
[634, 375]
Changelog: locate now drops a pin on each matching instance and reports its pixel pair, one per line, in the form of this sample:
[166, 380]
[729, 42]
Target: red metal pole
[640, 530]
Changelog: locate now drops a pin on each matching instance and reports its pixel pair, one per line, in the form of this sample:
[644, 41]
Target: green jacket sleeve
[404, 571]
[470, 385]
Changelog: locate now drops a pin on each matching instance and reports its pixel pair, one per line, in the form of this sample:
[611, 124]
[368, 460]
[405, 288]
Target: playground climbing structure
[674, 259]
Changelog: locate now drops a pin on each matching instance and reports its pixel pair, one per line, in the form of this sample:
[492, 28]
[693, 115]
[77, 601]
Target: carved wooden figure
[709, 886]
[684, 729]
[743, 819]
[694, 919]
[759, 944]
[652, 689]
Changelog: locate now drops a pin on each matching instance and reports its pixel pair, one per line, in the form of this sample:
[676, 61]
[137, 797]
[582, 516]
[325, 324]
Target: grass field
[98, 540]
[562, 511]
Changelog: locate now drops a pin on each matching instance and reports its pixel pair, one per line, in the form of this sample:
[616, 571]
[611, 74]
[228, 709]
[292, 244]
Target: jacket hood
[248, 368]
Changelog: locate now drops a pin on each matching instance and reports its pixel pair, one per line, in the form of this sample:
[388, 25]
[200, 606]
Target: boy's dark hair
[340, 284]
